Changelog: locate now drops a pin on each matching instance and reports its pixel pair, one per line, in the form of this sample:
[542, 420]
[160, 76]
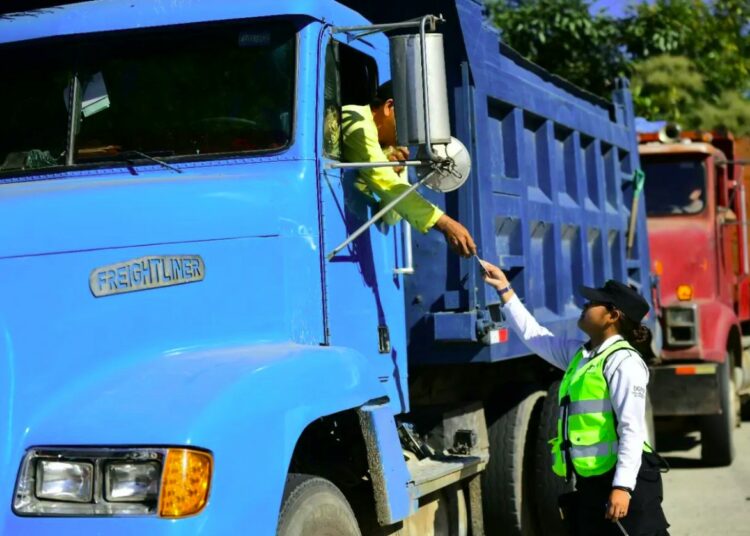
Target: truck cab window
[351, 77]
[332, 104]
[177, 92]
[674, 186]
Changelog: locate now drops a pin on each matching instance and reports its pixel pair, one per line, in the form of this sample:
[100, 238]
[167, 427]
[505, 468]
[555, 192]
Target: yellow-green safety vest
[586, 428]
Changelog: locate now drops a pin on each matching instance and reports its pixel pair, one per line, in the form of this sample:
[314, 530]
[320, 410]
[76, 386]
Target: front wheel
[717, 441]
[313, 506]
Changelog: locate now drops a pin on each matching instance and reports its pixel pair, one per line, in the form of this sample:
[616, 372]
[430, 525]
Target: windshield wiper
[153, 159]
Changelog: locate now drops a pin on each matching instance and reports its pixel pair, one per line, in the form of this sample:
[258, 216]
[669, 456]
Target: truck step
[432, 474]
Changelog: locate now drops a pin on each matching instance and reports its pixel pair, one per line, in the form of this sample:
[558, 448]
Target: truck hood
[154, 207]
[58, 341]
[684, 248]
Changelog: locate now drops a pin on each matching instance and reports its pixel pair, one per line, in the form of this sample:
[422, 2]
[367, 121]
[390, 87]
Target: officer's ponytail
[638, 335]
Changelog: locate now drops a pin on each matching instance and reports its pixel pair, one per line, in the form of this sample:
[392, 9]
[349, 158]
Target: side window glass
[359, 76]
[332, 103]
[351, 78]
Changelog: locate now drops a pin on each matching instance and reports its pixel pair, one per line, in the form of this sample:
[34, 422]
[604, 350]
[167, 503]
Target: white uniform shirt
[625, 372]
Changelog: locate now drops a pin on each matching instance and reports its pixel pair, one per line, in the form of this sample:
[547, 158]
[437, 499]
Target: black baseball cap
[625, 298]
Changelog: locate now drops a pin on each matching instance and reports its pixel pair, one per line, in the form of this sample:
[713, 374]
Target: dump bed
[548, 197]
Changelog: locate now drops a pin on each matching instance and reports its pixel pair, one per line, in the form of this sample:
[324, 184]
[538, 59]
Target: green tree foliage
[563, 37]
[731, 111]
[712, 34]
[689, 59]
[665, 86]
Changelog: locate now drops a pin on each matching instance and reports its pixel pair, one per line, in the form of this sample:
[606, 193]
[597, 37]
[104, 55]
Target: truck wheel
[548, 486]
[507, 490]
[312, 506]
[717, 445]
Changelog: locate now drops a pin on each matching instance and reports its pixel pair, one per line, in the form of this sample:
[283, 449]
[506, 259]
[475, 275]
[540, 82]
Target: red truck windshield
[674, 185]
[165, 92]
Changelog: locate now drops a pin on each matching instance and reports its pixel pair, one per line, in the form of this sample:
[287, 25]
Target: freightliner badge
[146, 273]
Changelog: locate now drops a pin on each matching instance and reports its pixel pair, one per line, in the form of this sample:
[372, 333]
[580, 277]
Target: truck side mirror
[421, 95]
[421, 98]
[451, 176]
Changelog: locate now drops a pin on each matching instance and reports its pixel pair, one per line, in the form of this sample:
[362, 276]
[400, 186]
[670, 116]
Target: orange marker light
[658, 267]
[684, 292]
[185, 482]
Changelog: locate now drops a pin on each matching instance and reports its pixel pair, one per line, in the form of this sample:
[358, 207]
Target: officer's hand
[619, 501]
[457, 236]
[495, 276]
[395, 154]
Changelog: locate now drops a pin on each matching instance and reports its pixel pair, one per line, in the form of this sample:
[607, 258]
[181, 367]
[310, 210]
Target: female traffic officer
[602, 429]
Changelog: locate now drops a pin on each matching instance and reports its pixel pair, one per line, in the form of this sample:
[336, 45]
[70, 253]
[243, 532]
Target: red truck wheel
[314, 506]
[717, 442]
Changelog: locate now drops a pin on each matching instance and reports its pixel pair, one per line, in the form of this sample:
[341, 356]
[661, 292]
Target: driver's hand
[395, 154]
[457, 236]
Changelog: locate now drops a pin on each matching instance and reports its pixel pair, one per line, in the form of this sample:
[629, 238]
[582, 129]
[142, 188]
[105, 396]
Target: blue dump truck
[181, 350]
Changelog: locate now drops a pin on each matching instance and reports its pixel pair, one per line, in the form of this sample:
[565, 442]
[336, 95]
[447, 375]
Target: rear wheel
[717, 441]
[548, 486]
[507, 488]
[313, 506]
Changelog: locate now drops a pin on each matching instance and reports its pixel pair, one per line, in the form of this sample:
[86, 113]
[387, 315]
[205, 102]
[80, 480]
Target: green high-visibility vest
[590, 447]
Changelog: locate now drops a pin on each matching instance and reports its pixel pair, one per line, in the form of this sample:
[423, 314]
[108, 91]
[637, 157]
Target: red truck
[697, 206]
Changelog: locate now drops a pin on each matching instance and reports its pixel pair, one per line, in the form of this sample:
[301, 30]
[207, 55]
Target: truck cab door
[728, 228]
[364, 303]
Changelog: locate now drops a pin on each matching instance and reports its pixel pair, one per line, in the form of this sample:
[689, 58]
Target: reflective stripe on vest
[586, 431]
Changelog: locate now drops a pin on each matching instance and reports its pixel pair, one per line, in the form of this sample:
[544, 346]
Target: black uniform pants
[587, 506]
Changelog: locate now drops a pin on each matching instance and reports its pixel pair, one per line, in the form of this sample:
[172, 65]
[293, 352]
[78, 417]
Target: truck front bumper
[685, 389]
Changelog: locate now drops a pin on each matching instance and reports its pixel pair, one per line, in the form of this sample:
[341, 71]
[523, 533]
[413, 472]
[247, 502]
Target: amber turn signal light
[684, 292]
[185, 482]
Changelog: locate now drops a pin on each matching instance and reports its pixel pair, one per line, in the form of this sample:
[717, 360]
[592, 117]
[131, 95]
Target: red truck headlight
[682, 326]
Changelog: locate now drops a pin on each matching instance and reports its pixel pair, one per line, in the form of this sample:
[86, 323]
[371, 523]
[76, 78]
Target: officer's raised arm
[554, 349]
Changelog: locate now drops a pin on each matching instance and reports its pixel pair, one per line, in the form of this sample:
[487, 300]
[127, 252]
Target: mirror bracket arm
[361, 165]
[358, 32]
[362, 228]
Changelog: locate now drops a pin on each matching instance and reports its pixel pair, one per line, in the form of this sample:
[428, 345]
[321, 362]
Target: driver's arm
[360, 144]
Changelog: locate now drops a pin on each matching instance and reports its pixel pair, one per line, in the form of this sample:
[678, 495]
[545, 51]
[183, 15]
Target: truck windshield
[674, 185]
[189, 91]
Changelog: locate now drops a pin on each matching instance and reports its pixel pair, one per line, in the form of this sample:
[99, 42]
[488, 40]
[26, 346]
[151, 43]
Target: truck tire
[312, 506]
[547, 485]
[507, 489]
[717, 431]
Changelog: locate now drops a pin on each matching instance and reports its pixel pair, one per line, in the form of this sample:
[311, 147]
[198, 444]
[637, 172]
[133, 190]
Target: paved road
[703, 501]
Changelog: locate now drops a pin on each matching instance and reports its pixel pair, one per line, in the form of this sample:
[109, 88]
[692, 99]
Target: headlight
[131, 482]
[64, 481]
[680, 316]
[682, 326]
[99, 482]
